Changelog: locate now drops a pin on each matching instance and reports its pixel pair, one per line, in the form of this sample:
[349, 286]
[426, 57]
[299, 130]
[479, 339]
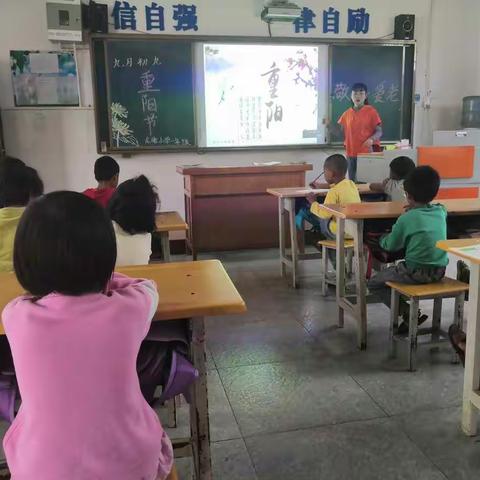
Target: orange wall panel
[460, 192]
[450, 162]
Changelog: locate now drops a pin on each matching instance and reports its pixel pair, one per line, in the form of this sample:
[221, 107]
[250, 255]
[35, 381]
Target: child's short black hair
[12, 161]
[359, 87]
[64, 243]
[422, 184]
[15, 183]
[106, 168]
[36, 184]
[401, 167]
[133, 205]
[337, 162]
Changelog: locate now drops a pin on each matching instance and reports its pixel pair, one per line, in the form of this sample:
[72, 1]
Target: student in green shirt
[416, 231]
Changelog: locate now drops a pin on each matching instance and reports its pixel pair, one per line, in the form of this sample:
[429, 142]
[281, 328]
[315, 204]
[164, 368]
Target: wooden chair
[173, 474]
[327, 245]
[446, 288]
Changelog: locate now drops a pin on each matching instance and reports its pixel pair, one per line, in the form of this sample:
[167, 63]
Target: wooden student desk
[471, 383]
[167, 222]
[228, 208]
[350, 220]
[191, 291]
[286, 206]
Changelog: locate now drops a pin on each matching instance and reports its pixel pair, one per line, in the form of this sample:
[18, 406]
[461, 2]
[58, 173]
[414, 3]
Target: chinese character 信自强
[124, 16]
[154, 17]
[186, 17]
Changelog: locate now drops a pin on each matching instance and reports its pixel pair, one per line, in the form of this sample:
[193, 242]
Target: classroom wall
[61, 142]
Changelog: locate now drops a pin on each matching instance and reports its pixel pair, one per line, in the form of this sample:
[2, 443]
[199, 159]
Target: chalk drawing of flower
[121, 130]
[119, 110]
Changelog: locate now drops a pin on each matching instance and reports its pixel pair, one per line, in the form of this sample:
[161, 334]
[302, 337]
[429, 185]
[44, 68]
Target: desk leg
[361, 287]
[199, 422]
[281, 233]
[165, 241]
[340, 270]
[471, 383]
[293, 239]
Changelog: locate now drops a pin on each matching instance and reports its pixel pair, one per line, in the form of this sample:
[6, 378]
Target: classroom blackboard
[388, 73]
[149, 94]
[148, 89]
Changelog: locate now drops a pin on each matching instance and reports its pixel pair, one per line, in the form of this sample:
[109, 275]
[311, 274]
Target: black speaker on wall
[95, 17]
[404, 27]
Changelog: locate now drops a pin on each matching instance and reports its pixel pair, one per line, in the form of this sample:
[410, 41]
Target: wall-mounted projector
[281, 11]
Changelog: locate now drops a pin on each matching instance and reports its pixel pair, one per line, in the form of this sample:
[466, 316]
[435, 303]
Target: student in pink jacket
[75, 338]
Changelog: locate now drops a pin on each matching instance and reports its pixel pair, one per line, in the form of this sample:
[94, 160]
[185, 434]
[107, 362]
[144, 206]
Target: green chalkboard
[149, 94]
[388, 73]
[149, 89]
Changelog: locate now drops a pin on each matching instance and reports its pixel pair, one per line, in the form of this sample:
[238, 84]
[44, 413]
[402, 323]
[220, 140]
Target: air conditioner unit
[281, 11]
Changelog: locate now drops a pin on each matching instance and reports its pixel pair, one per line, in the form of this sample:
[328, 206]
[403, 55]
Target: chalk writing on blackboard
[382, 93]
[341, 91]
[141, 62]
[148, 100]
[152, 80]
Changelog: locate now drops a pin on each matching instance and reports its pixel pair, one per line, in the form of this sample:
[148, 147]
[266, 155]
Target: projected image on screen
[262, 95]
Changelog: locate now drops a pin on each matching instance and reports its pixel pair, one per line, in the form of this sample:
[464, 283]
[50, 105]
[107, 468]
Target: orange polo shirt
[359, 126]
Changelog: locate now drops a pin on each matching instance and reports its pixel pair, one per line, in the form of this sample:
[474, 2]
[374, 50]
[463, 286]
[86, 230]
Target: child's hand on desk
[311, 198]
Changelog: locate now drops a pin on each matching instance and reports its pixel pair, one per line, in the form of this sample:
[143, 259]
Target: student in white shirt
[132, 210]
[392, 186]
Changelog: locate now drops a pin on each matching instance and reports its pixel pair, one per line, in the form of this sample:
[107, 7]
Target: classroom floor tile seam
[310, 427]
[372, 398]
[238, 424]
[314, 427]
[330, 426]
[421, 450]
[456, 403]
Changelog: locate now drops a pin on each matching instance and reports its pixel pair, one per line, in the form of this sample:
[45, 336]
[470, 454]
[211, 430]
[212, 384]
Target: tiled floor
[291, 397]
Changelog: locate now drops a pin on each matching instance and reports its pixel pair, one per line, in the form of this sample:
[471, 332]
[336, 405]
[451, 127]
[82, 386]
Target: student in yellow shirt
[342, 191]
[18, 184]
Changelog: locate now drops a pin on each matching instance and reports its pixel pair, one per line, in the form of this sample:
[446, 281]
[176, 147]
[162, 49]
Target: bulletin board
[44, 79]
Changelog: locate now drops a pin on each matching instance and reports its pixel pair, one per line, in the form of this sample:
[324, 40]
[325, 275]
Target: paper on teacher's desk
[312, 190]
[266, 164]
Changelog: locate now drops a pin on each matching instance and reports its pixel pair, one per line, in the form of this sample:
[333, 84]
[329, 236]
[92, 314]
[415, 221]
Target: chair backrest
[173, 474]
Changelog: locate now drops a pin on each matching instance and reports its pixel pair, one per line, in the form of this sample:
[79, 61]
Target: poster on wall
[44, 79]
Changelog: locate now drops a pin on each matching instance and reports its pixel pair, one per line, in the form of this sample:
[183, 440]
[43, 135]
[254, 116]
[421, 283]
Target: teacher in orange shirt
[362, 128]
